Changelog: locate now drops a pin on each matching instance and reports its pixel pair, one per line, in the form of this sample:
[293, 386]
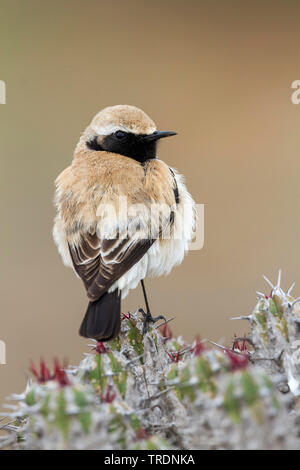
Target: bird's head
[125, 130]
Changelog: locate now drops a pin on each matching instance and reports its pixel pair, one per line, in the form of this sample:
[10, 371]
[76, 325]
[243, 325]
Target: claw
[149, 319]
[140, 310]
[159, 317]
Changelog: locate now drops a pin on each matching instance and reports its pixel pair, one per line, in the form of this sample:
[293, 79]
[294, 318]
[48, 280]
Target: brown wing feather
[100, 263]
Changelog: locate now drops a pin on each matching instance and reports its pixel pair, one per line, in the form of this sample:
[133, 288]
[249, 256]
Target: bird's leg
[147, 315]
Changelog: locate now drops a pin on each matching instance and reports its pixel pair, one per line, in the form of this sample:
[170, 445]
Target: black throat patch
[130, 145]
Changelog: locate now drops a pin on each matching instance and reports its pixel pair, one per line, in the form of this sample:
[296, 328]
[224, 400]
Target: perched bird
[122, 214]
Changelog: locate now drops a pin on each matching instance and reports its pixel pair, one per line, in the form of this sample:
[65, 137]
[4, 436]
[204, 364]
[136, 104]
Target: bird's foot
[149, 319]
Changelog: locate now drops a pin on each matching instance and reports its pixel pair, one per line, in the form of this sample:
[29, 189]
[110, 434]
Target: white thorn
[242, 317]
[280, 292]
[260, 294]
[268, 281]
[95, 342]
[164, 323]
[296, 301]
[279, 278]
[216, 344]
[291, 288]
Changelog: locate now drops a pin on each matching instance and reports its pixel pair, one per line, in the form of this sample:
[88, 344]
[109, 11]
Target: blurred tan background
[219, 73]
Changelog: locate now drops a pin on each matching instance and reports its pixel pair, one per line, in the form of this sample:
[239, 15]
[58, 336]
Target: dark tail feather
[102, 320]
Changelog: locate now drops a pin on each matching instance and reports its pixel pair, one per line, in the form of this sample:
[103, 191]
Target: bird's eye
[120, 134]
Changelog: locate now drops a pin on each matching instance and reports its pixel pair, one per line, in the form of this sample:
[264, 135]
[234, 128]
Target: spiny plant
[275, 336]
[158, 392]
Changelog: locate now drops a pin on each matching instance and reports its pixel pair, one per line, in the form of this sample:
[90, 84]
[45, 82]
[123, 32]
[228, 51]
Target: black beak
[158, 135]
